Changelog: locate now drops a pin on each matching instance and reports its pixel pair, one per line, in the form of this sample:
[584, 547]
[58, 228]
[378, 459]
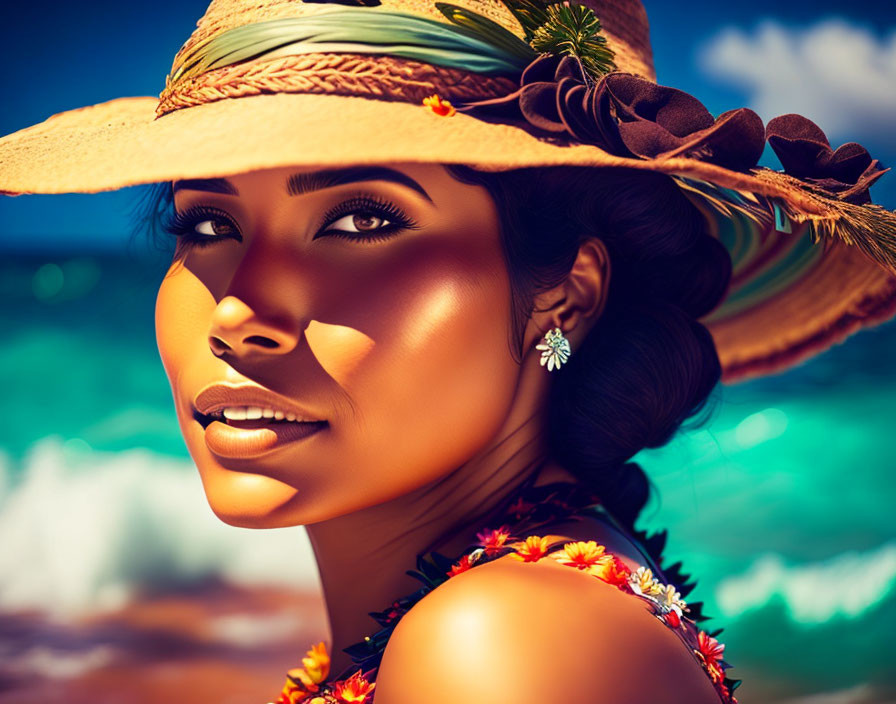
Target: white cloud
[839, 75]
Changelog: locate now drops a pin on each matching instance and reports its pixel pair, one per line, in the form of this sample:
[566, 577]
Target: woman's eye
[361, 221]
[365, 218]
[213, 227]
[201, 226]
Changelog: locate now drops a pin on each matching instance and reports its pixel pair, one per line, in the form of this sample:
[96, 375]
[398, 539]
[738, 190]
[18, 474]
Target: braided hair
[647, 364]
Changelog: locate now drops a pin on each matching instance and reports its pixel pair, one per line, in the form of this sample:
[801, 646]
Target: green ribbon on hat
[479, 44]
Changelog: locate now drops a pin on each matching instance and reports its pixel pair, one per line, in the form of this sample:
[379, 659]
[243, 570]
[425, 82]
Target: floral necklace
[529, 508]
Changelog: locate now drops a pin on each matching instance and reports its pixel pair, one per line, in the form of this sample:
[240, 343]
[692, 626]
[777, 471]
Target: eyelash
[182, 224]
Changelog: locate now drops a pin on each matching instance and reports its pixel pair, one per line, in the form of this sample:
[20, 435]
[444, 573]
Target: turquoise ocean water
[781, 506]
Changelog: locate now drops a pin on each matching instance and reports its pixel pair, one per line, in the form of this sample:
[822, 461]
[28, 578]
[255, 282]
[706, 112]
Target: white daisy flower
[671, 600]
[643, 582]
[555, 349]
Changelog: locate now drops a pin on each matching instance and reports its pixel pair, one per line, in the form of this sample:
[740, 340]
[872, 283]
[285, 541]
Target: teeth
[235, 413]
[255, 412]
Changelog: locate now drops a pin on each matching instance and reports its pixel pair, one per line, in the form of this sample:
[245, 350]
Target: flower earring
[555, 349]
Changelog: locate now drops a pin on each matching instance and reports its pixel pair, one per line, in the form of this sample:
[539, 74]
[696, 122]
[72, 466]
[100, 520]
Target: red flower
[710, 652]
[355, 690]
[463, 565]
[493, 540]
[672, 619]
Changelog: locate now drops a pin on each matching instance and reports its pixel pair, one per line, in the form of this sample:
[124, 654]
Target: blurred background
[117, 583]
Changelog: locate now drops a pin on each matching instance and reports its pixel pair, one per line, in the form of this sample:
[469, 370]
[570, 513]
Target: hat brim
[778, 312]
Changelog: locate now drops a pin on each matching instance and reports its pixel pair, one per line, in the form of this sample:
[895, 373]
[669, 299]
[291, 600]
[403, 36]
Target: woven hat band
[377, 76]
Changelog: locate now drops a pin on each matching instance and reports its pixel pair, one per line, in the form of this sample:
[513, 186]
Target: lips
[227, 440]
[217, 396]
[248, 438]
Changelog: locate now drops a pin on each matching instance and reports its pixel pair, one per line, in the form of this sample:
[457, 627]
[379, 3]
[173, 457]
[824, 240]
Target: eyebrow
[212, 185]
[306, 182]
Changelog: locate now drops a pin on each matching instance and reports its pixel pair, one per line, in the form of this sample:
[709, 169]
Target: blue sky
[832, 62]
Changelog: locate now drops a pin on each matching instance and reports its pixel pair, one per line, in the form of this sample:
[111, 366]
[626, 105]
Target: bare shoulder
[529, 633]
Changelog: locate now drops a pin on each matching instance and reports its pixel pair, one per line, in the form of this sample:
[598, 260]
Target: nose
[238, 330]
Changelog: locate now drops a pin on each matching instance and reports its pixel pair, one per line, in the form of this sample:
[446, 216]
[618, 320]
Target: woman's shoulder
[524, 627]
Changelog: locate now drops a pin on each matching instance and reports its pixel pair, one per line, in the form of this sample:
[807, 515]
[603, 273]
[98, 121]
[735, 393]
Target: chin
[251, 500]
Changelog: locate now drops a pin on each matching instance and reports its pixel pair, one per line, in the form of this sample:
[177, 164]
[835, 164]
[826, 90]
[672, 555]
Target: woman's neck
[362, 557]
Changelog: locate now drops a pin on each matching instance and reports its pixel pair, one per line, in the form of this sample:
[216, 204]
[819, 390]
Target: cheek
[183, 309]
[427, 349]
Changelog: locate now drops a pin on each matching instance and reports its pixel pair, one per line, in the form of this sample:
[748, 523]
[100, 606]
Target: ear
[575, 304]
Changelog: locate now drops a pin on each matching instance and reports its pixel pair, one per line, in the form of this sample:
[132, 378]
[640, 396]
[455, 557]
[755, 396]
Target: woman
[438, 345]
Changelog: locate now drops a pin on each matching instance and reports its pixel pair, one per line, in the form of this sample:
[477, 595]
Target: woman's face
[400, 344]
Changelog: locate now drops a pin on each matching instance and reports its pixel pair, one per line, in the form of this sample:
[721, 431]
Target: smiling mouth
[206, 420]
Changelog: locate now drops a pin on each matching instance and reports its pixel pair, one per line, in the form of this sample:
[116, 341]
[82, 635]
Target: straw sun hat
[500, 84]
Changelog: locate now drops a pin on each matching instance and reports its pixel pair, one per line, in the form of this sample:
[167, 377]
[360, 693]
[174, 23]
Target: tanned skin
[402, 345]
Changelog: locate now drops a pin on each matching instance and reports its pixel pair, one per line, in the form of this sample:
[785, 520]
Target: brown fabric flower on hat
[805, 153]
[626, 115]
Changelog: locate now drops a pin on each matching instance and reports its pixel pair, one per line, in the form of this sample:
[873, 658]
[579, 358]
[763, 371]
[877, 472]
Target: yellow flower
[316, 667]
[532, 550]
[584, 555]
[439, 106]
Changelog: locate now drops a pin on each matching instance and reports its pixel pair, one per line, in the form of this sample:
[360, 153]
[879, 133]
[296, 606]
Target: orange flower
[316, 668]
[613, 571]
[463, 565]
[493, 540]
[291, 693]
[354, 690]
[584, 555]
[439, 106]
[535, 548]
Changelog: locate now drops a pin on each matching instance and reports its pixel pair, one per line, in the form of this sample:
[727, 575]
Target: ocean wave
[847, 585]
[83, 530]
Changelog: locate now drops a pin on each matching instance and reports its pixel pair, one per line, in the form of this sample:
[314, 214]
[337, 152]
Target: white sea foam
[846, 585]
[80, 529]
[50, 663]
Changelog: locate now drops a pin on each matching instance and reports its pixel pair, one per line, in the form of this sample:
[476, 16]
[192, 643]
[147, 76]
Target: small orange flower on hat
[439, 106]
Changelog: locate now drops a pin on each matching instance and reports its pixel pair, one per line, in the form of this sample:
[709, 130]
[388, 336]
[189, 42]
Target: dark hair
[647, 364]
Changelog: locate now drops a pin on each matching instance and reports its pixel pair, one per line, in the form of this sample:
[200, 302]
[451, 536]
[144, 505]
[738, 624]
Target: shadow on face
[375, 298]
